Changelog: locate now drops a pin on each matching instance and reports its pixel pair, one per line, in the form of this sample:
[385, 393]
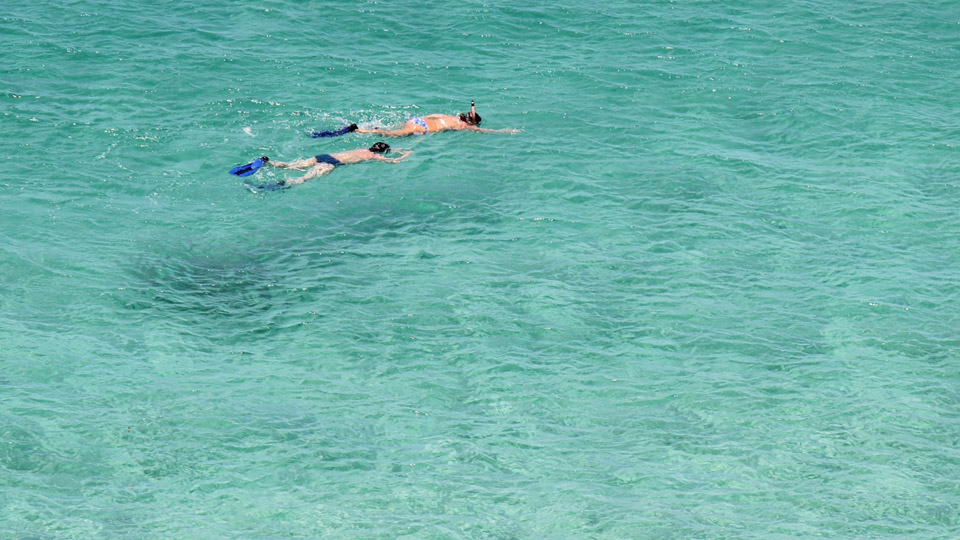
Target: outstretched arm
[394, 160]
[482, 130]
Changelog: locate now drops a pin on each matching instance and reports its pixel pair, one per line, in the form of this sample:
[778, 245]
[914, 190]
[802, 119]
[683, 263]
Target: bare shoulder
[354, 156]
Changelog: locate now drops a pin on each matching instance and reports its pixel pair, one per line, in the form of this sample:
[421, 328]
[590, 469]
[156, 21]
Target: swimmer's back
[354, 156]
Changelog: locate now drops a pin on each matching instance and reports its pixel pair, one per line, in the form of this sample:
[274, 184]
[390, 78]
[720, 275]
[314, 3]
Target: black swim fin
[266, 187]
[342, 131]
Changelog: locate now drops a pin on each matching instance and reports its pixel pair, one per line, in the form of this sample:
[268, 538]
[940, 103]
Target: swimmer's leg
[318, 170]
[299, 164]
[407, 129]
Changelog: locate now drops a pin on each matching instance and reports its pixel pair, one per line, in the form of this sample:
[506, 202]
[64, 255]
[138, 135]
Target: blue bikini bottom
[420, 122]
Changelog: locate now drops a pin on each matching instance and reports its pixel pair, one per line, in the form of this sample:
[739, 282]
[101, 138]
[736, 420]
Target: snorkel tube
[473, 118]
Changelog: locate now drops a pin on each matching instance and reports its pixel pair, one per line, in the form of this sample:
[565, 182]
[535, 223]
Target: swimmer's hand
[499, 130]
[402, 156]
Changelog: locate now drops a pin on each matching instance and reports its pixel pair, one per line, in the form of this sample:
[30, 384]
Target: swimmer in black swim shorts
[324, 163]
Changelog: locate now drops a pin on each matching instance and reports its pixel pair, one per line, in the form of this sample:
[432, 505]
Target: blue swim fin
[342, 131]
[249, 168]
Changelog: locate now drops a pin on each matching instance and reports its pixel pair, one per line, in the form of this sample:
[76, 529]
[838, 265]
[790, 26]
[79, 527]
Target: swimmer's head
[471, 117]
[380, 148]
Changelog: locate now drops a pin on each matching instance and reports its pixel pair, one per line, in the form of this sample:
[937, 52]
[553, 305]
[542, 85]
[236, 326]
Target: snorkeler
[437, 122]
[324, 163]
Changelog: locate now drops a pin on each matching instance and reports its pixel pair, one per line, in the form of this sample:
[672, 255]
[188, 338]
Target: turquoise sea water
[710, 291]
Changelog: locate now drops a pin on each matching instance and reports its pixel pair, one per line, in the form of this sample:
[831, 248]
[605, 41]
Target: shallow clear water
[710, 291]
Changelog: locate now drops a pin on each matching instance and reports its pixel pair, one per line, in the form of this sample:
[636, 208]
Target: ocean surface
[710, 291]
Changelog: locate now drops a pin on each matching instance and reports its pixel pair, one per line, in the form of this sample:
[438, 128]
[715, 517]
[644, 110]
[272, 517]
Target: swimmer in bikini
[320, 165]
[438, 122]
